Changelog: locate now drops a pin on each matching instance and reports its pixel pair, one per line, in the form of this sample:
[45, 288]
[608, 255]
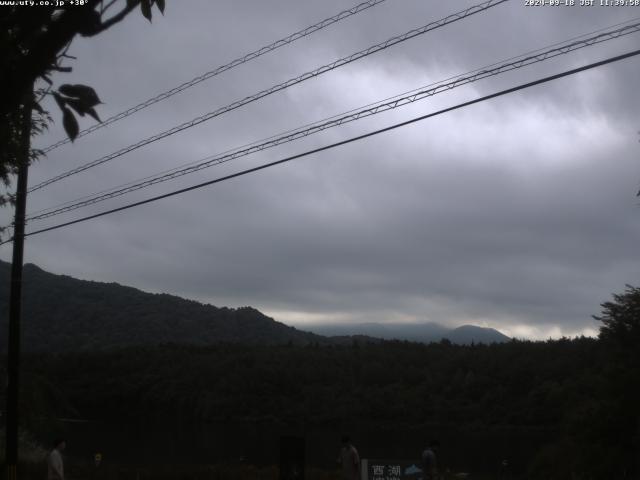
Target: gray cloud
[519, 213]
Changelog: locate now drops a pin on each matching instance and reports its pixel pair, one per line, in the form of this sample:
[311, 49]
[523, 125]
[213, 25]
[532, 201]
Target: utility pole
[15, 299]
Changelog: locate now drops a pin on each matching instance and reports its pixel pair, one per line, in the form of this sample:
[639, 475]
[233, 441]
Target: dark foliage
[621, 319]
[33, 45]
[558, 386]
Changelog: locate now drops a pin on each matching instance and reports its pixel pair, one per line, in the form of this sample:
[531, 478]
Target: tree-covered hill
[61, 313]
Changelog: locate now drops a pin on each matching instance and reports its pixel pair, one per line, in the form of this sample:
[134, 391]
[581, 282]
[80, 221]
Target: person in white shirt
[55, 466]
[349, 460]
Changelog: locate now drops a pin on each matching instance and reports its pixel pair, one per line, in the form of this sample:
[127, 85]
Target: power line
[343, 142]
[385, 105]
[276, 88]
[256, 142]
[221, 69]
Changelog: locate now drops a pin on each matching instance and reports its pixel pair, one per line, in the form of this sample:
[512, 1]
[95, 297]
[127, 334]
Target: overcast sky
[518, 213]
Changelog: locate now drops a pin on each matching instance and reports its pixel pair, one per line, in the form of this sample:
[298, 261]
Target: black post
[15, 299]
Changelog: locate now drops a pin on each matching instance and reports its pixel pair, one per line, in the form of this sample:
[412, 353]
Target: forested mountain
[467, 334]
[61, 313]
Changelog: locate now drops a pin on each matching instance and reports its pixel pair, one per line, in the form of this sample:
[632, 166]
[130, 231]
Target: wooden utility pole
[15, 299]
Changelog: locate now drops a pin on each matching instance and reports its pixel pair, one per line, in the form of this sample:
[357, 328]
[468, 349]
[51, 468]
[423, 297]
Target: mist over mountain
[414, 332]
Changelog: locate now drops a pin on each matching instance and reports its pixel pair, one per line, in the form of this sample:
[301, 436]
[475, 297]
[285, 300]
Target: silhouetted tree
[621, 319]
[33, 45]
[618, 421]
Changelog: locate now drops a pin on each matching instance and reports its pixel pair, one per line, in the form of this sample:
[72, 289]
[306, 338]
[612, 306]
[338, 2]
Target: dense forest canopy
[564, 388]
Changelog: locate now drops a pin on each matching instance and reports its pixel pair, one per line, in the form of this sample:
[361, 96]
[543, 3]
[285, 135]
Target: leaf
[161, 6]
[60, 100]
[86, 94]
[145, 7]
[94, 114]
[82, 108]
[77, 105]
[91, 24]
[70, 124]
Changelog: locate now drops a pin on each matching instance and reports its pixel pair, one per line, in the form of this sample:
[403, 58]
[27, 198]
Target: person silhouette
[349, 460]
[55, 465]
[429, 461]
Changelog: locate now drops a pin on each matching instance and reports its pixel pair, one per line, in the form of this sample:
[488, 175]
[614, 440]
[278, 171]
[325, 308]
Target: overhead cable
[276, 88]
[221, 69]
[383, 106]
[337, 144]
[308, 125]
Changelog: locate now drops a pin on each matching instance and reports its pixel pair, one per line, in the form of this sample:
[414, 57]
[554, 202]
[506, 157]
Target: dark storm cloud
[519, 213]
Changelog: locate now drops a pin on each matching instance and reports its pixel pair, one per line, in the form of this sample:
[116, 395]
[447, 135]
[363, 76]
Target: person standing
[429, 461]
[349, 460]
[55, 466]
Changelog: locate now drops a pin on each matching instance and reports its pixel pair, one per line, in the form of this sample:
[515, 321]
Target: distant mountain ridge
[414, 332]
[61, 313]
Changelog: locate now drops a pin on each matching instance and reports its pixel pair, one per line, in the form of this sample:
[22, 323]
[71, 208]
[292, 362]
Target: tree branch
[131, 5]
[45, 49]
[109, 5]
